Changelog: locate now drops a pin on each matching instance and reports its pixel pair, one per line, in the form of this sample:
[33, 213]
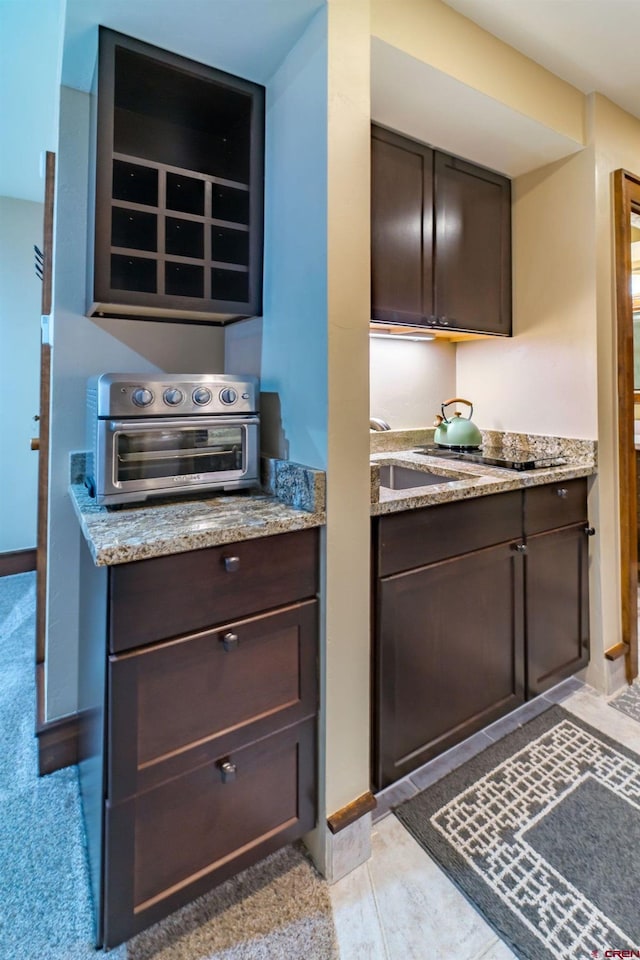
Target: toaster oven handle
[141, 424]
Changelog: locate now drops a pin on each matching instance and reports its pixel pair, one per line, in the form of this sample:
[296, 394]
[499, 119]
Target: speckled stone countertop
[161, 527]
[463, 480]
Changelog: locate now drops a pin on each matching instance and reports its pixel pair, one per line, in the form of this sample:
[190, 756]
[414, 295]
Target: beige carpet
[276, 910]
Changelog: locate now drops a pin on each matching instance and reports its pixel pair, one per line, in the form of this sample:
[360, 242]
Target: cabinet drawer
[418, 537]
[169, 596]
[555, 505]
[176, 705]
[171, 844]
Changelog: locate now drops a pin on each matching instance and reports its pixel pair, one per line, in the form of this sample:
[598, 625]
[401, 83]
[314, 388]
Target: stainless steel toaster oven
[160, 436]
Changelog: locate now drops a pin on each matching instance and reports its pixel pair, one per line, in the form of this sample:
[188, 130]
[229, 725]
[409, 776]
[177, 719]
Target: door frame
[57, 739]
[44, 417]
[626, 197]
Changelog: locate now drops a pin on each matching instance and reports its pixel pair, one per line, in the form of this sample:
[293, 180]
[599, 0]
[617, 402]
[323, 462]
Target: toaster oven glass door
[158, 452]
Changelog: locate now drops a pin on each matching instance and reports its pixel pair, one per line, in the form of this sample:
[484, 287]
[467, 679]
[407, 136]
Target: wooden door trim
[58, 740]
[17, 561]
[47, 267]
[45, 397]
[626, 192]
[351, 812]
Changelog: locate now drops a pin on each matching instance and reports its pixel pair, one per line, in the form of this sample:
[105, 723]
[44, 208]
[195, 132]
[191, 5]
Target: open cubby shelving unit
[178, 228]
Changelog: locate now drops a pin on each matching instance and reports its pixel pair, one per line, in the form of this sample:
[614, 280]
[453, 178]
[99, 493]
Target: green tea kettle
[459, 431]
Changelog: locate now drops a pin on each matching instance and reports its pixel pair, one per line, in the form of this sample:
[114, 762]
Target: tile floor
[400, 905]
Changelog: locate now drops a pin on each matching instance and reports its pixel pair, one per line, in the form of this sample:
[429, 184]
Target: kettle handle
[456, 400]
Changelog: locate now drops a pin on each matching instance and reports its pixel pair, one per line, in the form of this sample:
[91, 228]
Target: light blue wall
[287, 348]
[83, 348]
[20, 300]
[30, 51]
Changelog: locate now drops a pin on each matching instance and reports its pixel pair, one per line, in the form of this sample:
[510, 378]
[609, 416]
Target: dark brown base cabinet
[201, 688]
[557, 583]
[480, 605]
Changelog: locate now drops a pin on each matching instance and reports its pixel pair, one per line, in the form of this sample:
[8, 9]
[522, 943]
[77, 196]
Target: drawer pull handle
[519, 547]
[590, 531]
[228, 771]
[232, 564]
[229, 641]
[562, 492]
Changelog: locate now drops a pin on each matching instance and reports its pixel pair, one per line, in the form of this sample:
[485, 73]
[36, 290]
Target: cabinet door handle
[590, 531]
[229, 641]
[228, 771]
[562, 492]
[519, 547]
[232, 564]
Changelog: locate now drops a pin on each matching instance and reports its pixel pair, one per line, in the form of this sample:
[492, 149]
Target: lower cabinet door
[171, 844]
[557, 601]
[449, 656]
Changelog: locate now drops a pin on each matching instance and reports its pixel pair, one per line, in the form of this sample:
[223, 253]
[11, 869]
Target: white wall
[20, 300]
[287, 347]
[82, 348]
[348, 530]
[410, 380]
[543, 380]
[432, 32]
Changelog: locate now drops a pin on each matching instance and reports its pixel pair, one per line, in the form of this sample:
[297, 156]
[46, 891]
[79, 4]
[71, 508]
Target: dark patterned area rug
[541, 832]
[628, 701]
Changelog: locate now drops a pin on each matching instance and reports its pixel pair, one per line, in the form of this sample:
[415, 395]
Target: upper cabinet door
[179, 170]
[472, 247]
[440, 240]
[401, 229]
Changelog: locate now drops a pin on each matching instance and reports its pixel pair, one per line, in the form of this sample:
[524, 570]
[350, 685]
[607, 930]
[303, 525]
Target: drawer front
[555, 505]
[415, 538]
[169, 845]
[176, 705]
[169, 596]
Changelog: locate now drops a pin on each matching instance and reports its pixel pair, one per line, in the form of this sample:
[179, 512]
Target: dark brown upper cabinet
[440, 240]
[179, 188]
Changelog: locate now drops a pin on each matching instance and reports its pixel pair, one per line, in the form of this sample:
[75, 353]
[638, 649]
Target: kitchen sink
[394, 477]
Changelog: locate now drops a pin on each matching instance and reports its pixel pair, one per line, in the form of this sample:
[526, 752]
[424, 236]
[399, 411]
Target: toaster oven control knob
[142, 397]
[173, 396]
[201, 396]
[228, 395]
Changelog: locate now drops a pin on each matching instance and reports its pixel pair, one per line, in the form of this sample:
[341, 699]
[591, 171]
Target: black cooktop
[511, 459]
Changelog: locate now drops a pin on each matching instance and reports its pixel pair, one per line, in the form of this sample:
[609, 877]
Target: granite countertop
[471, 479]
[292, 498]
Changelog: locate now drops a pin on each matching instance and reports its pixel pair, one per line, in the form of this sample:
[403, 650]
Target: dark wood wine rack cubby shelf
[157, 220]
[179, 166]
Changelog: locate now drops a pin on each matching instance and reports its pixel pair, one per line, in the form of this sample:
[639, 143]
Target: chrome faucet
[375, 423]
